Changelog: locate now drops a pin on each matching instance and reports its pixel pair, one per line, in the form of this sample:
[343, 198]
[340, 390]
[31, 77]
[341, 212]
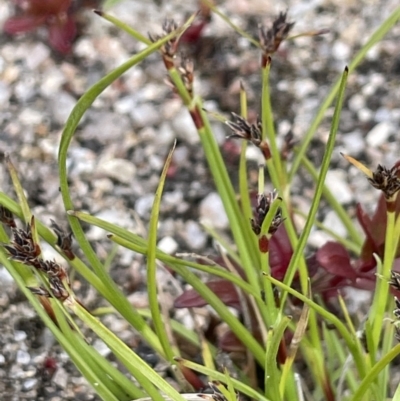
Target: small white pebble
[379, 134]
[168, 245]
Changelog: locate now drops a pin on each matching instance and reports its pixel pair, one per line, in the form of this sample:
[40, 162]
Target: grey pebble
[120, 170]
[29, 384]
[353, 142]
[61, 106]
[101, 347]
[379, 134]
[60, 378]
[19, 335]
[195, 236]
[144, 115]
[212, 212]
[183, 127]
[143, 205]
[168, 245]
[106, 127]
[23, 357]
[333, 223]
[336, 181]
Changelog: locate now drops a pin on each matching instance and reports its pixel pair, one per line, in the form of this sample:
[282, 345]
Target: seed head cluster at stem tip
[385, 179]
[395, 283]
[242, 129]
[270, 39]
[263, 205]
[169, 49]
[24, 249]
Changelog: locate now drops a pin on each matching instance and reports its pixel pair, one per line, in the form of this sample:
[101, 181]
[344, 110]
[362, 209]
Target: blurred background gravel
[120, 146]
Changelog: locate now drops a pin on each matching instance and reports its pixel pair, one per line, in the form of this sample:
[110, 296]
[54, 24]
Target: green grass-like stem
[146, 376]
[272, 373]
[341, 212]
[298, 251]
[374, 372]
[329, 317]
[268, 131]
[238, 385]
[381, 293]
[116, 298]
[159, 324]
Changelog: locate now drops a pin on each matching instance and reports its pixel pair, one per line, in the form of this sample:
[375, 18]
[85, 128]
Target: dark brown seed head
[186, 70]
[23, 248]
[170, 48]
[288, 145]
[244, 130]
[39, 291]
[64, 240]
[395, 280]
[58, 289]
[270, 39]
[386, 180]
[6, 217]
[263, 205]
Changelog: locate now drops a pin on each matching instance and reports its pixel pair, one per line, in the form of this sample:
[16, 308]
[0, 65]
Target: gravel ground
[120, 146]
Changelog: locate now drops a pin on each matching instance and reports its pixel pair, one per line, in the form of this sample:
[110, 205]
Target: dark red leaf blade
[335, 259]
[230, 343]
[24, 23]
[224, 289]
[62, 34]
[280, 253]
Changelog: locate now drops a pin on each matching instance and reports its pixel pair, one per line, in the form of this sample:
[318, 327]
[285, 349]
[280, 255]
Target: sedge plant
[291, 336]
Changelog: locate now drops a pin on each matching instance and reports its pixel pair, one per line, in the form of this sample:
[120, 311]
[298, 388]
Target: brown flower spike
[394, 282]
[169, 49]
[270, 39]
[7, 218]
[24, 249]
[384, 179]
[263, 205]
[242, 129]
[186, 71]
[64, 240]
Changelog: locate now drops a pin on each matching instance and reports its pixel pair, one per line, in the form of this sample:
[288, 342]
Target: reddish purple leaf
[280, 253]
[335, 259]
[374, 229]
[224, 289]
[230, 343]
[57, 15]
[61, 35]
[24, 23]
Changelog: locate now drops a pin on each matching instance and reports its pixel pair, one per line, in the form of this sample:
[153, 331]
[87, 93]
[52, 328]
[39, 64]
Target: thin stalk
[268, 129]
[383, 381]
[116, 298]
[213, 300]
[330, 317]
[146, 376]
[222, 181]
[272, 374]
[348, 244]
[298, 253]
[238, 385]
[374, 372]
[124, 27]
[381, 293]
[159, 325]
[336, 206]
